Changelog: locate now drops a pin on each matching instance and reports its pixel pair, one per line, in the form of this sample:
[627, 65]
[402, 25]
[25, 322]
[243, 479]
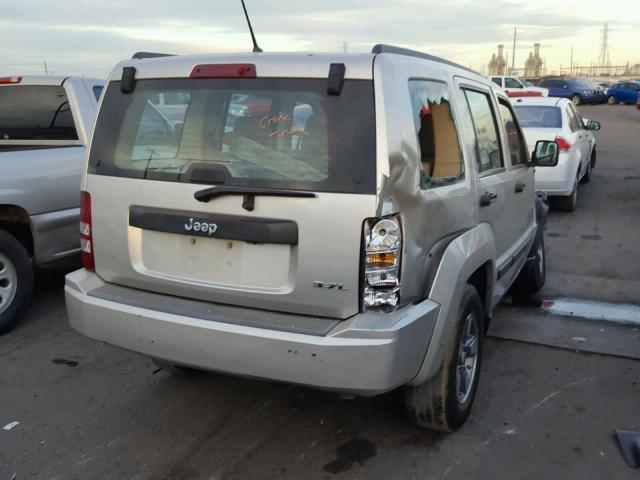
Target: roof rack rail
[143, 55]
[382, 48]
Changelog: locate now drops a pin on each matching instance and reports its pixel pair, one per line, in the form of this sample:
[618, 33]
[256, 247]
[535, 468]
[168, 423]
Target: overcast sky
[89, 37]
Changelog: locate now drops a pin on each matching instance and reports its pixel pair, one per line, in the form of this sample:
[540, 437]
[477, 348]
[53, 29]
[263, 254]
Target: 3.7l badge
[330, 285]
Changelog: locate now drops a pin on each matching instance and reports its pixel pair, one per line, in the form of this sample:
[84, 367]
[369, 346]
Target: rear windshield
[35, 112]
[279, 133]
[539, 117]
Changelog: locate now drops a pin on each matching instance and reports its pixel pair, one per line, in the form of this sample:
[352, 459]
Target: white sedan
[550, 118]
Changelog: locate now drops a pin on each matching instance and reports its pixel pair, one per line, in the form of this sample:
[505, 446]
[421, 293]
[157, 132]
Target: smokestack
[536, 49]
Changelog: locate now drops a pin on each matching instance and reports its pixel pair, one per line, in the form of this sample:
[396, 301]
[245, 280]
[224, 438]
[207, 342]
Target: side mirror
[592, 125]
[546, 154]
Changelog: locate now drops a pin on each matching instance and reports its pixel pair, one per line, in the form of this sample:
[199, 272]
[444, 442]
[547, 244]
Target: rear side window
[512, 83]
[280, 133]
[539, 116]
[440, 151]
[573, 121]
[488, 152]
[32, 112]
[97, 91]
[515, 142]
[578, 117]
[497, 81]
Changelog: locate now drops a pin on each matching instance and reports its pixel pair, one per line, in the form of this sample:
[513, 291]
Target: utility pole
[571, 61]
[46, 72]
[513, 56]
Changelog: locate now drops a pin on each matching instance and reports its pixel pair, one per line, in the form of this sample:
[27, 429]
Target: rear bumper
[367, 354]
[558, 180]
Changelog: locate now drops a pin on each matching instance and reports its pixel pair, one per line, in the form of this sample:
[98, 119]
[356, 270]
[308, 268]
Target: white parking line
[611, 312]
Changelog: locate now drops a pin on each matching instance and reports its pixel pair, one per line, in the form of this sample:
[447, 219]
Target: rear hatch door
[245, 191]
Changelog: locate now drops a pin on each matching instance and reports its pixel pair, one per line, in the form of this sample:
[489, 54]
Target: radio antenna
[256, 48]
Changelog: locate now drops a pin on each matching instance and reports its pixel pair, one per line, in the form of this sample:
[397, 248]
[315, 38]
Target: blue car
[624, 92]
[579, 91]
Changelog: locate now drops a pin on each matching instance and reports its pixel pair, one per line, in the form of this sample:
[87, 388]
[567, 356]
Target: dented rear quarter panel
[428, 216]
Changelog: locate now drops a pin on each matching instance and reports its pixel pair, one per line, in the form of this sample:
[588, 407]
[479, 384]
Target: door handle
[520, 187]
[487, 198]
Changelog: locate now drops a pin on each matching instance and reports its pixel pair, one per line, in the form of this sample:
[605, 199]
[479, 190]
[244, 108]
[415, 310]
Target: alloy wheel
[8, 282]
[467, 364]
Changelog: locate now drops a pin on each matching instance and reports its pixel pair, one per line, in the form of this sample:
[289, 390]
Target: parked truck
[45, 125]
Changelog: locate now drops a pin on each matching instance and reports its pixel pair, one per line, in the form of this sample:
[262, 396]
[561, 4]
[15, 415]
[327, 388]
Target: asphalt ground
[91, 411]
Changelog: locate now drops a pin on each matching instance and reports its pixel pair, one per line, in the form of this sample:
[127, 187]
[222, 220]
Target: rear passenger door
[516, 148]
[555, 90]
[631, 92]
[495, 183]
[582, 139]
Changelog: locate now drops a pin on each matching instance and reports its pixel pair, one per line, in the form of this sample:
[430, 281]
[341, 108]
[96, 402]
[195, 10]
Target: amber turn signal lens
[381, 259]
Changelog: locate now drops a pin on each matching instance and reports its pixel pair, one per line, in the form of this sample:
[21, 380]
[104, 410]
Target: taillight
[86, 234]
[224, 70]
[563, 144]
[382, 255]
[10, 80]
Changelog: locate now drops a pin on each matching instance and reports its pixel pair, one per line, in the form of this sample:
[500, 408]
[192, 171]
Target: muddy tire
[534, 273]
[16, 281]
[174, 369]
[444, 401]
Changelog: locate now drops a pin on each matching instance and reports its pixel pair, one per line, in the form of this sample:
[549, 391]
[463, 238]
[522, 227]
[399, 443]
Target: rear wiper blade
[248, 193]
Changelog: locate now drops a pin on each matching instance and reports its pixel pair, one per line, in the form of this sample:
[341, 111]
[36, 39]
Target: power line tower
[604, 60]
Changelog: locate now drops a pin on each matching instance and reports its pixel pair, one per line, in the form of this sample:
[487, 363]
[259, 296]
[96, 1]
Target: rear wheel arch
[16, 221]
[482, 280]
[465, 256]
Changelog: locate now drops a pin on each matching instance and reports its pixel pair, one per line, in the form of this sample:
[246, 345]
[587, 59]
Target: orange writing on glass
[270, 120]
[285, 132]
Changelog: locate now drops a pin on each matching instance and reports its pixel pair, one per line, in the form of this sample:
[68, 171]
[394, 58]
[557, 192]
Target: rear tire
[533, 275]
[444, 401]
[576, 99]
[568, 203]
[16, 281]
[175, 369]
[586, 178]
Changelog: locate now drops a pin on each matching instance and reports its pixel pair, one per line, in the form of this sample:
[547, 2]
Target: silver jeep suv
[346, 222]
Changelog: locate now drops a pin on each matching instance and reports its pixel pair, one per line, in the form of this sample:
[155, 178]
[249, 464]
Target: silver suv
[346, 222]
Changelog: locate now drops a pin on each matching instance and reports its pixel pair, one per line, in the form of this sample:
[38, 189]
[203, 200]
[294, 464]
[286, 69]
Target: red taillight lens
[224, 70]
[86, 233]
[563, 144]
[10, 80]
